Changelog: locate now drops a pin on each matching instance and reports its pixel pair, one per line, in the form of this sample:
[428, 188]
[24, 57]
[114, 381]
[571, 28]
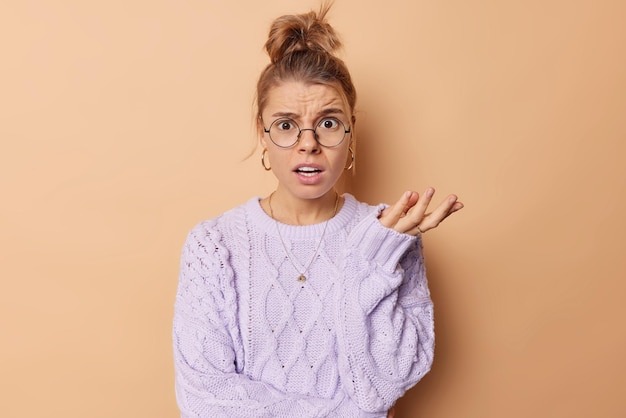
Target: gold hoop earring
[352, 159]
[263, 160]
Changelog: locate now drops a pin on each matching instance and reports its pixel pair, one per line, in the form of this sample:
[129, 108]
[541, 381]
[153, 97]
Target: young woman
[305, 303]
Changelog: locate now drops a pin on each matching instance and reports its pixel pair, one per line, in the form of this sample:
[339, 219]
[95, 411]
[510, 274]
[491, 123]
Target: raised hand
[408, 215]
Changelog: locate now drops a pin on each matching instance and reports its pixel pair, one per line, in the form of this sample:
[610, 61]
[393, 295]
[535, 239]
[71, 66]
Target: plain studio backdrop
[123, 123]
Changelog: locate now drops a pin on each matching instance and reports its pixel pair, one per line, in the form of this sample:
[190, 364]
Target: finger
[390, 216]
[416, 214]
[423, 228]
[413, 199]
[409, 224]
[445, 209]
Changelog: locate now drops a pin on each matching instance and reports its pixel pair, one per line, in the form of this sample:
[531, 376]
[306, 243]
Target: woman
[305, 303]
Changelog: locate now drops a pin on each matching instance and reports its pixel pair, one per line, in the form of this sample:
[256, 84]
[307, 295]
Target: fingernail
[430, 191]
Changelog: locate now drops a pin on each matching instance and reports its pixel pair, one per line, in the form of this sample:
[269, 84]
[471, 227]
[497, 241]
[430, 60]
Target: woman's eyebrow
[330, 111]
[285, 115]
[323, 112]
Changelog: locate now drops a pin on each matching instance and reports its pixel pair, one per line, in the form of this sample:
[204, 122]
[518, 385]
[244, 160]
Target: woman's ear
[262, 141]
[261, 132]
[352, 130]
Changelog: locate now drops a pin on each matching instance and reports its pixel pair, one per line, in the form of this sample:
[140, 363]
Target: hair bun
[302, 32]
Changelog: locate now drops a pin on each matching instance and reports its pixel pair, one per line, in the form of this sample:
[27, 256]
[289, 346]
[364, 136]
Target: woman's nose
[308, 140]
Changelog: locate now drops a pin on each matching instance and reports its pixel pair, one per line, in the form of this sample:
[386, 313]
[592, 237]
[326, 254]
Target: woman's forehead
[302, 99]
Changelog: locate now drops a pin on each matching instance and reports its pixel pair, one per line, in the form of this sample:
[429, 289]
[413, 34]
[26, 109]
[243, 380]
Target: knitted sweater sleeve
[208, 355]
[386, 315]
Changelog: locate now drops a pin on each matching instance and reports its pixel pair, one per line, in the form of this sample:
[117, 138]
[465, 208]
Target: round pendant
[302, 278]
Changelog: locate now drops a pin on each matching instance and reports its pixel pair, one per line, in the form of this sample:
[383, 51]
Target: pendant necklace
[302, 276]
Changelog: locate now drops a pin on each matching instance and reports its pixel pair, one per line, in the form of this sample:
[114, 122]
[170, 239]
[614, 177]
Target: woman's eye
[329, 123]
[285, 125]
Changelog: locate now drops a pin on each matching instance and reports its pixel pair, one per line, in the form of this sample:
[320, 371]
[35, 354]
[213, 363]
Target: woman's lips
[308, 174]
[307, 171]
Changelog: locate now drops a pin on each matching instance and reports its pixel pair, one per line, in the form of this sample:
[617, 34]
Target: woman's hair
[301, 48]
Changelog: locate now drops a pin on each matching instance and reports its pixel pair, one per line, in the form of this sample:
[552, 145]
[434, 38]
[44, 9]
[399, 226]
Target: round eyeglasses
[285, 132]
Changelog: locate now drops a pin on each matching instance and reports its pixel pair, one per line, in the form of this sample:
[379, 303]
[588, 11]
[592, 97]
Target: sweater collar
[257, 216]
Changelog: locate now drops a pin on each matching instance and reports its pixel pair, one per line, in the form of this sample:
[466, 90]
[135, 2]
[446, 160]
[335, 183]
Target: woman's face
[307, 170]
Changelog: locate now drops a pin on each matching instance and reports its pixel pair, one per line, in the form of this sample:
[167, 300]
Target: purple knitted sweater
[250, 340]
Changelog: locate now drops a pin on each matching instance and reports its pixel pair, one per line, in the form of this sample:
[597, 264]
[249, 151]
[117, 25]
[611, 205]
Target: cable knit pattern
[252, 341]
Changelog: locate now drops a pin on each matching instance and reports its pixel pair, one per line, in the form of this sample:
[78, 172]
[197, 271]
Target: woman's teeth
[307, 171]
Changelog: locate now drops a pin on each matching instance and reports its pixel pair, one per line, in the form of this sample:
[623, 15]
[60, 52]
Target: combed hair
[302, 48]
[307, 32]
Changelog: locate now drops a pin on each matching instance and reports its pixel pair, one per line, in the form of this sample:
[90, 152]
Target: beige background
[125, 122]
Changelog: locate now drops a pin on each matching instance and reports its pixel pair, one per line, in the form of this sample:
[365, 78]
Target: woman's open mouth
[307, 171]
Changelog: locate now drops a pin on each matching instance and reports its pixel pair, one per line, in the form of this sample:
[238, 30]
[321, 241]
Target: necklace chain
[302, 277]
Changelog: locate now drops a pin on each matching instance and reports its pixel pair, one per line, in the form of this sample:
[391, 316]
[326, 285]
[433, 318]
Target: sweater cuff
[382, 245]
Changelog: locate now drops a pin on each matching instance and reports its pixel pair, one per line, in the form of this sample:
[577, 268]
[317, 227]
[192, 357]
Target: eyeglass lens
[329, 132]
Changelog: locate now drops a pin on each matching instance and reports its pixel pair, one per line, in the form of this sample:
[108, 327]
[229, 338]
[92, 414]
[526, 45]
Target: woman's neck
[293, 211]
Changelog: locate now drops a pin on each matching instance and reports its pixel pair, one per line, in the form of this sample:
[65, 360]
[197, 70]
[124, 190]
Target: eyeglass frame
[315, 134]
